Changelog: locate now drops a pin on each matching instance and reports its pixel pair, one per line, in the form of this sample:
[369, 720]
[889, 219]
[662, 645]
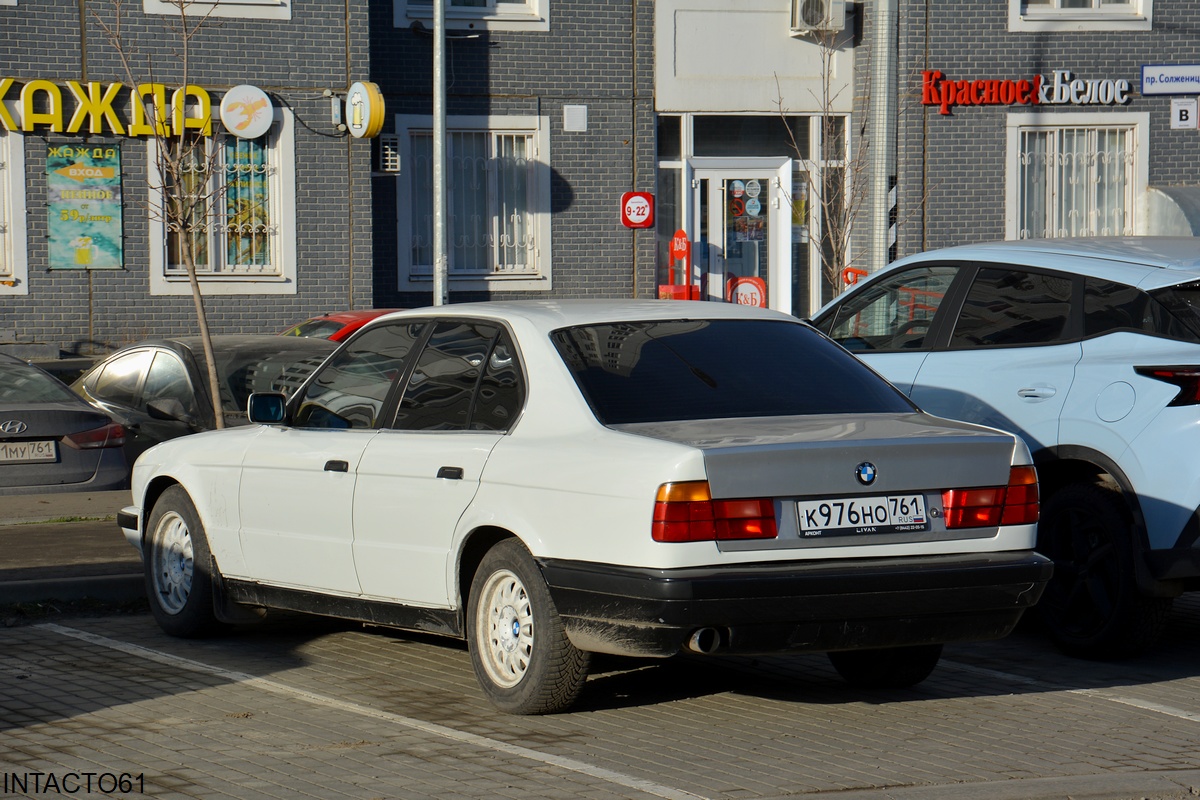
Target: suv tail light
[686, 512]
[1186, 378]
[110, 435]
[987, 507]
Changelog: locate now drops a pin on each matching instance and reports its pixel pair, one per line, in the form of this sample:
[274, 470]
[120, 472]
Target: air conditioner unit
[818, 15]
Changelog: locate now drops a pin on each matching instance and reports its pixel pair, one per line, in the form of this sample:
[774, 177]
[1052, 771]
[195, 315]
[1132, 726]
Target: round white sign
[247, 112]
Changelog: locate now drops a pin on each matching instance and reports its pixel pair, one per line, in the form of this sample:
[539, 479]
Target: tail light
[110, 435]
[686, 512]
[988, 507]
[1186, 378]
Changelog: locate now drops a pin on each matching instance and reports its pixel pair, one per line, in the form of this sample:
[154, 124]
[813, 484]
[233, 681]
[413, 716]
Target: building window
[1068, 15]
[14, 272]
[528, 15]
[240, 220]
[235, 9]
[1074, 179]
[497, 195]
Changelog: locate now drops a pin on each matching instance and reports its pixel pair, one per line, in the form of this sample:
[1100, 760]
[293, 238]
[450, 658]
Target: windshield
[316, 328]
[717, 369]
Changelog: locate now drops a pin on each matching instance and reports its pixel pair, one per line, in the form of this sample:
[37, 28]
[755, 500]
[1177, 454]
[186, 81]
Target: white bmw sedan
[553, 479]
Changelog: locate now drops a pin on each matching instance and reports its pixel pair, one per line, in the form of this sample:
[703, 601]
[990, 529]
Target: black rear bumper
[796, 606]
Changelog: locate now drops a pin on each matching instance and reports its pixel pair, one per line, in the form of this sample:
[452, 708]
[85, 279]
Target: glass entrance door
[742, 225]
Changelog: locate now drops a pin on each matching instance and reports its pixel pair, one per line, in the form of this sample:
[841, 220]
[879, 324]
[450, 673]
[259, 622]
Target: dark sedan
[50, 440]
[159, 388]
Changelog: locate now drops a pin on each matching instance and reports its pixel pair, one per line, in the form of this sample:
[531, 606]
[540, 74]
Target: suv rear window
[718, 369]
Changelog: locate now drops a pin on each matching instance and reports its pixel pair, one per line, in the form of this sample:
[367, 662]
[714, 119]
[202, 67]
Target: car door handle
[453, 473]
[337, 466]
[1037, 392]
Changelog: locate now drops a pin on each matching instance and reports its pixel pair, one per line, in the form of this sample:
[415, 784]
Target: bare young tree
[183, 159]
[836, 167]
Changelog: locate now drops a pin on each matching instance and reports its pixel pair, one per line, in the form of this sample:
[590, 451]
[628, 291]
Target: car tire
[178, 584]
[1092, 607]
[519, 648]
[888, 667]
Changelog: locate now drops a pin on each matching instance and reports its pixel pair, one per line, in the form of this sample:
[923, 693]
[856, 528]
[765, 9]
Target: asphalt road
[301, 707]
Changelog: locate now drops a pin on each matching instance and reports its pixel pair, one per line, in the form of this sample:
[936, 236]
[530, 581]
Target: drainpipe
[881, 122]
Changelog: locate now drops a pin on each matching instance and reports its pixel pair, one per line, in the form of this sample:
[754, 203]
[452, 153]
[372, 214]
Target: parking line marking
[275, 687]
[1145, 705]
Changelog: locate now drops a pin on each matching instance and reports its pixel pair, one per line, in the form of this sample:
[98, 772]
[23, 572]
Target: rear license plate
[25, 452]
[898, 513]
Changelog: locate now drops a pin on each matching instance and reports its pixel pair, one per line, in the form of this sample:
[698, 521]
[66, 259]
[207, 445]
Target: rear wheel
[888, 667]
[178, 582]
[1092, 606]
[519, 648]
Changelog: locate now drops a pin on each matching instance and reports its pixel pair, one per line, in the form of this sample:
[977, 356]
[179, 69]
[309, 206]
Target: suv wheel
[1092, 606]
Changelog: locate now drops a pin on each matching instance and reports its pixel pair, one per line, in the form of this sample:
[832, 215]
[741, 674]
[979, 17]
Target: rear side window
[1008, 307]
[1175, 313]
[1109, 307]
[118, 382]
[466, 378]
[713, 369]
[894, 313]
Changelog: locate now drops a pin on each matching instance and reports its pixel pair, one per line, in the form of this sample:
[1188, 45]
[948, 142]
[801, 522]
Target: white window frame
[14, 258]
[282, 160]
[533, 15]
[1136, 15]
[234, 9]
[1138, 121]
[417, 279]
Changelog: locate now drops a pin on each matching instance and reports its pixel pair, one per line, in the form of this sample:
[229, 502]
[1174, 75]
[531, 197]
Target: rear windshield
[718, 369]
[23, 384]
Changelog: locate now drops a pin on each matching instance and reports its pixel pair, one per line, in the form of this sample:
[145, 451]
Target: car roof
[548, 315]
[1146, 261]
[353, 316]
[240, 341]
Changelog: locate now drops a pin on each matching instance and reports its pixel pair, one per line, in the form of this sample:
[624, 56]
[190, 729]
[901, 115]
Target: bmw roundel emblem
[865, 472]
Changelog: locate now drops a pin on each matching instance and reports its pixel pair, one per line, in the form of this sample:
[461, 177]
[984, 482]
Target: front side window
[497, 195]
[168, 380]
[1007, 307]
[231, 203]
[894, 313]
[350, 391]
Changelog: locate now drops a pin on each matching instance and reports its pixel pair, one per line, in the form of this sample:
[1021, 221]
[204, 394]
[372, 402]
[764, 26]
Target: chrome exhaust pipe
[704, 640]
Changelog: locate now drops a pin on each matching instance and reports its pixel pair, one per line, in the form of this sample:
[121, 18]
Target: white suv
[1090, 350]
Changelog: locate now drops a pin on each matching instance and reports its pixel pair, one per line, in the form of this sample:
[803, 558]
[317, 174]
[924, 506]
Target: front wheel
[887, 667]
[520, 651]
[177, 563]
[1092, 606]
